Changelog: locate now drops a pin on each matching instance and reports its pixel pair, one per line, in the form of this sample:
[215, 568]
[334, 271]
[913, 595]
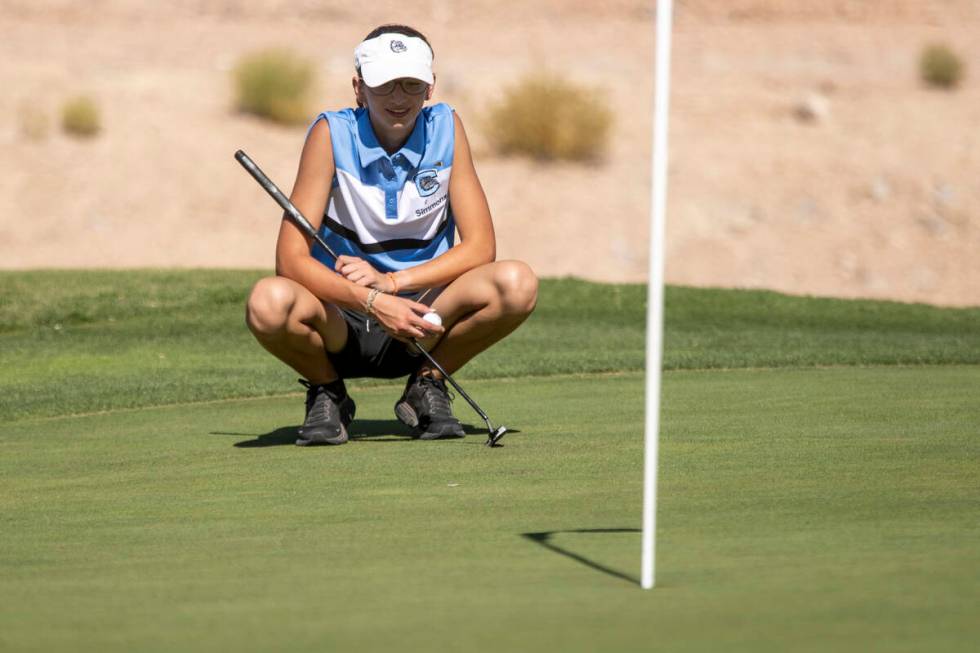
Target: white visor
[393, 56]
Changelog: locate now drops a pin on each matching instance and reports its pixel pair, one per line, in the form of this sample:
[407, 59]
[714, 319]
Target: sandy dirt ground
[879, 196]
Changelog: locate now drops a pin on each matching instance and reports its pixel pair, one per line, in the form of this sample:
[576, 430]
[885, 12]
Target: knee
[517, 286]
[269, 305]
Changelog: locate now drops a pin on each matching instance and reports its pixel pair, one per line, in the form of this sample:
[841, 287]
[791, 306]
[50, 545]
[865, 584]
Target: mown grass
[800, 510]
[73, 341]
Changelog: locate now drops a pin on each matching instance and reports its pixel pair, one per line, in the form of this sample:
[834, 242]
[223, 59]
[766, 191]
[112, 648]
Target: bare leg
[481, 307]
[296, 327]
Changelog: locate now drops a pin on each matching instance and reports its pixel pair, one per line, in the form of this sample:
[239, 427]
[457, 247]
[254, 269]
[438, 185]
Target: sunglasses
[409, 86]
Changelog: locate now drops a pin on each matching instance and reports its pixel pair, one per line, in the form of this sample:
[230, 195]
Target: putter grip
[298, 219]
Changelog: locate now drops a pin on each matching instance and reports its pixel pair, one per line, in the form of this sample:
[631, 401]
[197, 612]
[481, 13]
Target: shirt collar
[370, 150]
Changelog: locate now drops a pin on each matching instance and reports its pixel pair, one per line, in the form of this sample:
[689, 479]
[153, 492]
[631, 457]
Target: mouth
[398, 113]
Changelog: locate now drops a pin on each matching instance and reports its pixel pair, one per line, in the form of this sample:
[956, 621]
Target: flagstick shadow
[544, 539]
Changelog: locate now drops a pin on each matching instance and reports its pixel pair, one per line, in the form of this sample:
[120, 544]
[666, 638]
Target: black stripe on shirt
[384, 245]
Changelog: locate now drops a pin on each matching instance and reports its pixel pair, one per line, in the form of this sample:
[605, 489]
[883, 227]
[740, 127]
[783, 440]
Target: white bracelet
[369, 304]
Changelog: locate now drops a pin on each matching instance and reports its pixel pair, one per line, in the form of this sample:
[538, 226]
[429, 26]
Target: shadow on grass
[544, 539]
[361, 430]
[284, 435]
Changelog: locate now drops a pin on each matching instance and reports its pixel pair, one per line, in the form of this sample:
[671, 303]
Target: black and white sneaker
[329, 410]
[425, 406]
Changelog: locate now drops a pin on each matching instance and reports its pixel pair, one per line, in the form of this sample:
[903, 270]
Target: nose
[399, 92]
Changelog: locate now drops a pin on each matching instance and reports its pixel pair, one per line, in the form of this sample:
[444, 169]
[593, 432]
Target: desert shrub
[547, 117]
[941, 67]
[80, 117]
[274, 84]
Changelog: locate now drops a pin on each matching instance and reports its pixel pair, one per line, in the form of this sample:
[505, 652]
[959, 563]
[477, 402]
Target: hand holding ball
[432, 318]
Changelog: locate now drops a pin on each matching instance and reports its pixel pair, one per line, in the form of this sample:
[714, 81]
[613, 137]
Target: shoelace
[312, 392]
[436, 396]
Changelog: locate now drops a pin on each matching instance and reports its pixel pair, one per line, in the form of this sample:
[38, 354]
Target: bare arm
[472, 214]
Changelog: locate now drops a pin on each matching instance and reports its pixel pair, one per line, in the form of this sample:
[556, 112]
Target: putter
[494, 434]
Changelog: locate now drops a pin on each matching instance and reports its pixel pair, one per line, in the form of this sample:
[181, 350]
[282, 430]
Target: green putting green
[80, 341]
[800, 509]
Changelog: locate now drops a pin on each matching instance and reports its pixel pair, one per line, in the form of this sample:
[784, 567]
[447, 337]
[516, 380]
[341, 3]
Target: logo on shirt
[398, 46]
[426, 182]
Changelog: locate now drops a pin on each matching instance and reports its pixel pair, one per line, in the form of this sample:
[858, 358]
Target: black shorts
[371, 352]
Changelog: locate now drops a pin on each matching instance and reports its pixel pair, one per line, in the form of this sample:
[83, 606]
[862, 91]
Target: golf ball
[433, 318]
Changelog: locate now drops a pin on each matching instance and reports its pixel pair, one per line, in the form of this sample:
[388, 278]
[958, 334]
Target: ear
[432, 88]
[358, 95]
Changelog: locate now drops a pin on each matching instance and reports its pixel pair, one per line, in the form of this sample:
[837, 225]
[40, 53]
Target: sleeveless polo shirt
[391, 210]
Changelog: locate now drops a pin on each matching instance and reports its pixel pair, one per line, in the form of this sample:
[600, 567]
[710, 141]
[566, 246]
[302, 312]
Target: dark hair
[395, 28]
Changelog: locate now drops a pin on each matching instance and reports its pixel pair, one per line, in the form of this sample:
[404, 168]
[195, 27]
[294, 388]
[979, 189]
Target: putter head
[495, 436]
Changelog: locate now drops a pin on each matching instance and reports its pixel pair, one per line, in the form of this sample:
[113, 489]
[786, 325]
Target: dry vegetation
[940, 66]
[547, 117]
[80, 117]
[276, 85]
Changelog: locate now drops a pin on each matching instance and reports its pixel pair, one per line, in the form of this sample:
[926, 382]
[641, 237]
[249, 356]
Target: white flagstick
[655, 291]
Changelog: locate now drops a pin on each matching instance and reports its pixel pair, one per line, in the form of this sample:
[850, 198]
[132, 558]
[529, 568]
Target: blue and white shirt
[392, 211]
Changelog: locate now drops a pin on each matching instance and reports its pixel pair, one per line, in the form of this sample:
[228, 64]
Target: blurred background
[817, 147]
